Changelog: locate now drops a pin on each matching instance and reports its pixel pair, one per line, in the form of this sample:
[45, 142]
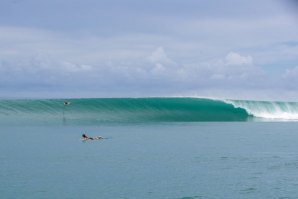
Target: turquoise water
[115, 110]
[158, 161]
[141, 110]
[155, 148]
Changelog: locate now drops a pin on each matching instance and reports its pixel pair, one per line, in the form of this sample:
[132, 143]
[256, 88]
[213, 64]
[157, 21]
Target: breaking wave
[133, 110]
[268, 110]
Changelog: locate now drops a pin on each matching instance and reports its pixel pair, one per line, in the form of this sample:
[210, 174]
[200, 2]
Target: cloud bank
[149, 52]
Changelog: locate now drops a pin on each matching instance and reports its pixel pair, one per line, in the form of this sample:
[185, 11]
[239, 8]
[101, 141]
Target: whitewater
[175, 109]
[269, 110]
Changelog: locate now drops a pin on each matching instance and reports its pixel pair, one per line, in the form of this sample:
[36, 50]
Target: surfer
[67, 103]
[85, 137]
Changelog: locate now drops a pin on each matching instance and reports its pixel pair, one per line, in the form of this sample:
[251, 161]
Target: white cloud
[71, 67]
[162, 65]
[159, 56]
[232, 67]
[236, 59]
[158, 69]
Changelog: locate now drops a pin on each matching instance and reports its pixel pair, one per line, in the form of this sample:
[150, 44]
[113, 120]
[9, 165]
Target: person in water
[66, 103]
[85, 137]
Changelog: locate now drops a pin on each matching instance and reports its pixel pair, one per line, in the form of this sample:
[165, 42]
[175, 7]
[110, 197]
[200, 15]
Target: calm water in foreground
[158, 161]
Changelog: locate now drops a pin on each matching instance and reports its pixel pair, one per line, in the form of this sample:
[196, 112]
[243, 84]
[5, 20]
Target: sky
[227, 49]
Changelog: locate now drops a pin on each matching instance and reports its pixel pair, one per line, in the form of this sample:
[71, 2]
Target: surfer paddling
[85, 137]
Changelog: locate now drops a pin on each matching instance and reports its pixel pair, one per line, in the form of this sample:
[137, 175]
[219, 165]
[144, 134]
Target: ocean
[155, 148]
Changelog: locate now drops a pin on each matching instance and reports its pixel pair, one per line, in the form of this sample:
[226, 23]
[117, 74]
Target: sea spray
[268, 110]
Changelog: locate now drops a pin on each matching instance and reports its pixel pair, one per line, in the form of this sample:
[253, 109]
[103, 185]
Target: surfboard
[96, 138]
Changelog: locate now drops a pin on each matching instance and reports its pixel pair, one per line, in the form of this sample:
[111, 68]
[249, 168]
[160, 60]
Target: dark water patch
[192, 197]
[248, 190]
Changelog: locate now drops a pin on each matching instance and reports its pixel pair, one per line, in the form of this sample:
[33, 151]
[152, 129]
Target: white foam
[268, 110]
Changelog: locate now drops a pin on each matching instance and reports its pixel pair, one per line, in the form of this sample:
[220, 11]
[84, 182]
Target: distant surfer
[85, 137]
[67, 103]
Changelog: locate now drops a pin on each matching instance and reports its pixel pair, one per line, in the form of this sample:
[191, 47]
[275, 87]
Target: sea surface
[155, 148]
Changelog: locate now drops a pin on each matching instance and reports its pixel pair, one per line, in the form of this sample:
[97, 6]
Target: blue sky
[129, 48]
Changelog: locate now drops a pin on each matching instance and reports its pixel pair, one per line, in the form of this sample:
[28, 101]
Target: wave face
[125, 110]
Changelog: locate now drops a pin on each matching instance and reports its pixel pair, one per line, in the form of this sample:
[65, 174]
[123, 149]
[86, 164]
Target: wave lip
[268, 110]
